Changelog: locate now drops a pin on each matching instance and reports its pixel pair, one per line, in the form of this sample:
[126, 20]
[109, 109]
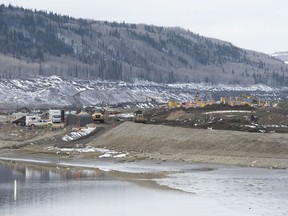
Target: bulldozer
[99, 115]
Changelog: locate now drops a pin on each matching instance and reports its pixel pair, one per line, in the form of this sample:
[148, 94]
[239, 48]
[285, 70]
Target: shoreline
[268, 163]
[157, 158]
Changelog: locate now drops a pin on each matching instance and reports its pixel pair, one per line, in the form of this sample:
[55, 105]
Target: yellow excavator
[249, 100]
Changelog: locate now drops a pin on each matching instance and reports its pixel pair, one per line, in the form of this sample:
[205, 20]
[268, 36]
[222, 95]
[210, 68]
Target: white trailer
[55, 116]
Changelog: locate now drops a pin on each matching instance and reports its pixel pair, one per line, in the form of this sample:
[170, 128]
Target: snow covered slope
[282, 56]
[55, 92]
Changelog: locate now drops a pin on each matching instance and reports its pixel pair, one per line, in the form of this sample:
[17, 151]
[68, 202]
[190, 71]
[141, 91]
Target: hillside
[283, 56]
[37, 43]
[55, 91]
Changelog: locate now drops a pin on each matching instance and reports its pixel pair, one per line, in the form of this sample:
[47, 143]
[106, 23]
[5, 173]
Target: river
[127, 189]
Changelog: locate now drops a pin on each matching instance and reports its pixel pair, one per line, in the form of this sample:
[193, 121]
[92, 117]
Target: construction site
[241, 113]
[241, 131]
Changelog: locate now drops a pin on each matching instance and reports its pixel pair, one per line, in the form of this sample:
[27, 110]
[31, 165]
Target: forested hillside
[282, 56]
[38, 43]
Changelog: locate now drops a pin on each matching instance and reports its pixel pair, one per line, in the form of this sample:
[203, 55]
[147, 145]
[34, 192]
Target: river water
[93, 190]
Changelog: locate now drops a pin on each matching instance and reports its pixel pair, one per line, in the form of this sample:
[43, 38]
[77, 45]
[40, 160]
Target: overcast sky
[260, 25]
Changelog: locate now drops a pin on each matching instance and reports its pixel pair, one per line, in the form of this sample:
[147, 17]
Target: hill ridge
[37, 43]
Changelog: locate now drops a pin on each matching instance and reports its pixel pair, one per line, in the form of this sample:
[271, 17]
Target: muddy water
[60, 191]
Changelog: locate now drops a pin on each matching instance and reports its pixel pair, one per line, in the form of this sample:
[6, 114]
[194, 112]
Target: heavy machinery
[56, 116]
[249, 100]
[99, 115]
[139, 117]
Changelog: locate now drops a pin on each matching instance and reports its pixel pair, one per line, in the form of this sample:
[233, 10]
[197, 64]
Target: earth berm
[162, 142]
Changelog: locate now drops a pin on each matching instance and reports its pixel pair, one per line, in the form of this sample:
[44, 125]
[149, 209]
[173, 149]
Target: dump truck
[99, 115]
[139, 117]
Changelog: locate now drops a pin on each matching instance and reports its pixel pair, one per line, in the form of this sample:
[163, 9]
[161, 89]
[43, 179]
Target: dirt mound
[186, 142]
[223, 117]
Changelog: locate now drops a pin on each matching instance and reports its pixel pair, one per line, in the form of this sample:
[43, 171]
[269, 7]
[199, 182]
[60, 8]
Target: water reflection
[71, 191]
[20, 182]
[34, 190]
[9, 172]
[15, 190]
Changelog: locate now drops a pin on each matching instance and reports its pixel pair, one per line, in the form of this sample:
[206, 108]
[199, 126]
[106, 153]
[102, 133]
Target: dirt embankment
[187, 138]
[200, 145]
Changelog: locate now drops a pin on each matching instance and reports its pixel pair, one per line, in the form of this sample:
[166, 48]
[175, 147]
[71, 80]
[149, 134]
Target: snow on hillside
[54, 91]
[282, 56]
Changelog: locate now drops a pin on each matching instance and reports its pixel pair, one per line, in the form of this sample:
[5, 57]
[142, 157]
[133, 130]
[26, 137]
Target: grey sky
[260, 25]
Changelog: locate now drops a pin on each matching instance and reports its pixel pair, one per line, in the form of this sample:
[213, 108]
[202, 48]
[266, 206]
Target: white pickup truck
[40, 123]
[36, 121]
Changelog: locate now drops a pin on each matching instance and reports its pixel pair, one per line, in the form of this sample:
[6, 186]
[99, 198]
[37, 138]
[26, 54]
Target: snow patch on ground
[113, 154]
[105, 153]
[227, 111]
[78, 134]
[122, 115]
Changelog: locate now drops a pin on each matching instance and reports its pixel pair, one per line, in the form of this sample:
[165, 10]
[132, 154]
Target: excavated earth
[237, 136]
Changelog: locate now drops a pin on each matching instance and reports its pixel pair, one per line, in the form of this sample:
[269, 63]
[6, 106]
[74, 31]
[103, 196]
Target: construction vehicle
[99, 115]
[173, 104]
[56, 116]
[139, 117]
